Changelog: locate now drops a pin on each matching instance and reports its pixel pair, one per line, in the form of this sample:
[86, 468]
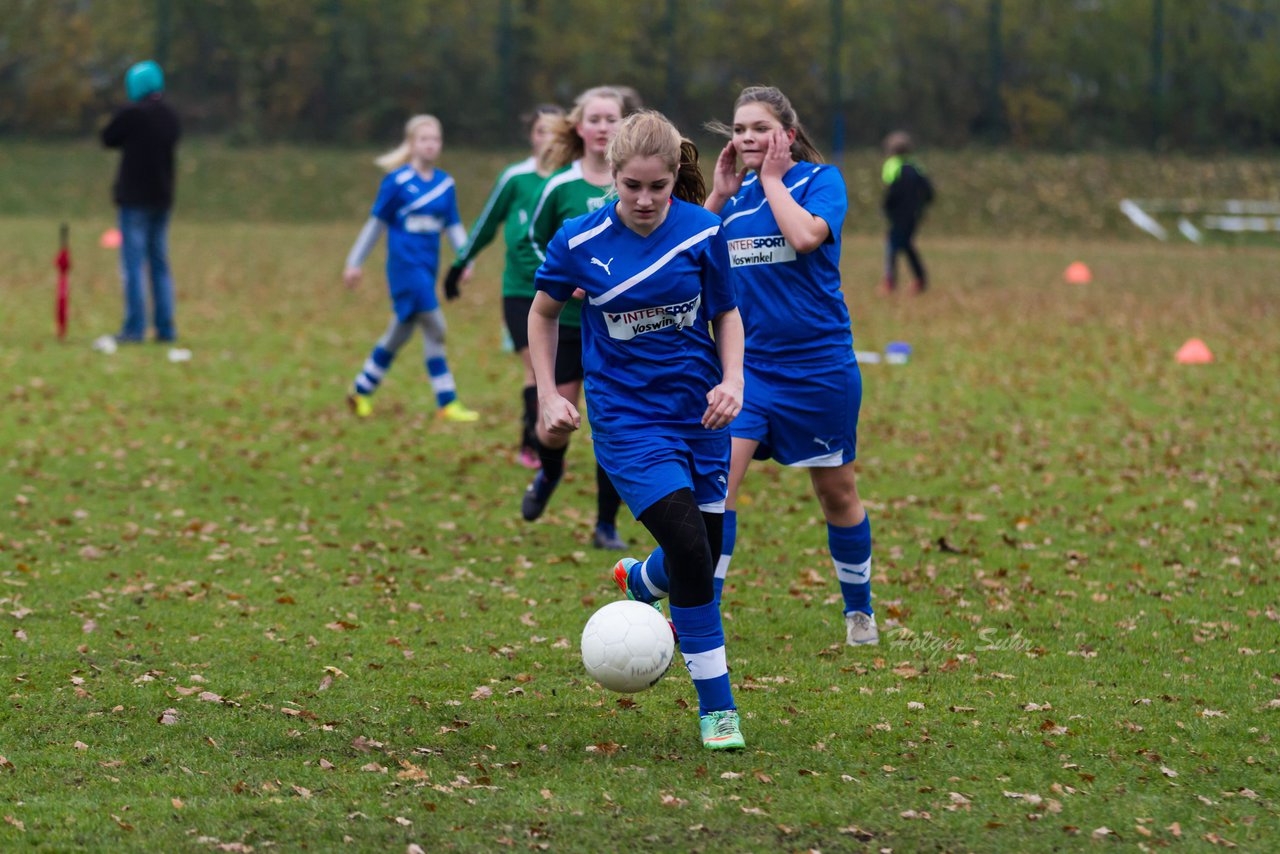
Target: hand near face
[777, 157]
[727, 180]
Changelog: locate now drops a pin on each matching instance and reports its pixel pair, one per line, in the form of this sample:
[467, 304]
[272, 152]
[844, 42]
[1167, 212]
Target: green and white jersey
[510, 204]
[565, 195]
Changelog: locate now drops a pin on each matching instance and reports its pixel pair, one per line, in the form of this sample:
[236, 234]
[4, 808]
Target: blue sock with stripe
[648, 580]
[441, 381]
[851, 553]
[702, 645]
[375, 368]
[726, 550]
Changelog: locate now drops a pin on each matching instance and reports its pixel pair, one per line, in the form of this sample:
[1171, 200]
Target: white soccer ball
[627, 646]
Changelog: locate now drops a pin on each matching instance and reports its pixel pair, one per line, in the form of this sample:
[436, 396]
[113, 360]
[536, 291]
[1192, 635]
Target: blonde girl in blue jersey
[416, 202]
[655, 273]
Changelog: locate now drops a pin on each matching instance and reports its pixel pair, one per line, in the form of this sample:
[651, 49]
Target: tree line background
[1070, 74]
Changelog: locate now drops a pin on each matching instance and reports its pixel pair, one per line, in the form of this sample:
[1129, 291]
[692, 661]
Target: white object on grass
[179, 354]
[105, 344]
[627, 646]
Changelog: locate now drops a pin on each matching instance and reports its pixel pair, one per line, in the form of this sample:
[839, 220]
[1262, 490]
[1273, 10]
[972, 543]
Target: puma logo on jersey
[604, 264]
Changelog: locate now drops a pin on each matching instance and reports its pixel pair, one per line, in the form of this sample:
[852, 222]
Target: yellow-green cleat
[455, 411]
[360, 404]
[721, 731]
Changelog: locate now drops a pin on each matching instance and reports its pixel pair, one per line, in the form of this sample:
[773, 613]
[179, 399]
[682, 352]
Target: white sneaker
[860, 629]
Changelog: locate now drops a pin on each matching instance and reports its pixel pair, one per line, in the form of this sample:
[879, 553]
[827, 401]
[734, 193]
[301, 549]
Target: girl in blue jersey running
[416, 202]
[783, 213]
[655, 273]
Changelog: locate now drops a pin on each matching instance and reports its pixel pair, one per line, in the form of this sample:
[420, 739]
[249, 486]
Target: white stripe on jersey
[854, 573]
[706, 665]
[435, 193]
[573, 173]
[790, 189]
[579, 239]
[655, 266]
[524, 167]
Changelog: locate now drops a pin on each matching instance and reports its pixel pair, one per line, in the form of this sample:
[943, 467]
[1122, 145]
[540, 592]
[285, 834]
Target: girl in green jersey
[510, 205]
[580, 179]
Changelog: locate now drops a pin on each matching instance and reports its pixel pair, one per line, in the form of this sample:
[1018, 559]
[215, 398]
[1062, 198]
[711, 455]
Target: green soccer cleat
[455, 411]
[360, 405]
[721, 731]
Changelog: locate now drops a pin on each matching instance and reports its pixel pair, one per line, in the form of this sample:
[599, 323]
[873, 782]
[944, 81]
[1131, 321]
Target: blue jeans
[144, 234]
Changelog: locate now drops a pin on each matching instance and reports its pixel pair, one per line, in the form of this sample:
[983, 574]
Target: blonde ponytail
[399, 156]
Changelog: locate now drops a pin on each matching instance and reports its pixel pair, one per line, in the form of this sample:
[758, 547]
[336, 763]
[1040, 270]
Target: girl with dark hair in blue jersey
[661, 390]
[782, 218]
[416, 203]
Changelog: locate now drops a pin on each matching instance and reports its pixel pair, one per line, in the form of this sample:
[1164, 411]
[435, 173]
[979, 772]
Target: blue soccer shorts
[648, 464]
[804, 416]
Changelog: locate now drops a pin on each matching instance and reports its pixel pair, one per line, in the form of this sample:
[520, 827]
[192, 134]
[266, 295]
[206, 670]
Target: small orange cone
[1077, 273]
[110, 239]
[1194, 352]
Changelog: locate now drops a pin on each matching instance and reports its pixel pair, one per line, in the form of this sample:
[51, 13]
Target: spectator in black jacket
[907, 192]
[146, 130]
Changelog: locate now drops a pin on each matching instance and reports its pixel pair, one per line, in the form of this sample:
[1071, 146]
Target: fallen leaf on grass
[483, 692]
[302, 792]
[11, 820]
[673, 801]
[80, 745]
[364, 745]
[375, 767]
[1167, 771]
[168, 717]
[6, 764]
[1102, 832]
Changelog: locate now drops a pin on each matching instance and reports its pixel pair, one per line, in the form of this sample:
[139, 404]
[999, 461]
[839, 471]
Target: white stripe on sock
[373, 370]
[444, 382]
[722, 566]
[654, 590]
[853, 573]
[706, 665]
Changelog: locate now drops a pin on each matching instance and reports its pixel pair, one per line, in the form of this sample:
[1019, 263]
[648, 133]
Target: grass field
[235, 618]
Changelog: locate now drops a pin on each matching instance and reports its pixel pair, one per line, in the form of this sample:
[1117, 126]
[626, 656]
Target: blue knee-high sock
[375, 368]
[702, 645]
[851, 553]
[726, 550]
[648, 580]
[441, 381]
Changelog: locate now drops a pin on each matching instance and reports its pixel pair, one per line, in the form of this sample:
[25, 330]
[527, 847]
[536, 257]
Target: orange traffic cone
[1077, 273]
[110, 239]
[1194, 352]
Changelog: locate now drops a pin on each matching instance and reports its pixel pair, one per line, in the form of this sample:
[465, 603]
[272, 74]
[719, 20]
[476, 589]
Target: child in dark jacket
[907, 192]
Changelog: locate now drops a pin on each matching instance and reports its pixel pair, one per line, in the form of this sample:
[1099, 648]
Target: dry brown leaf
[11, 820]
[168, 717]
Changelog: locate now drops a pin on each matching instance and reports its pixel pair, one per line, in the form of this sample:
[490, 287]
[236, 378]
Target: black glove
[451, 280]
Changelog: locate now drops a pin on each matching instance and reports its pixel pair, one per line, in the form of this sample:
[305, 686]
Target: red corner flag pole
[63, 264]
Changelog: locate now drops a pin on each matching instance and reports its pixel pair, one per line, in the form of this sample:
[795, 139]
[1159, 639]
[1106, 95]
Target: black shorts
[569, 355]
[515, 312]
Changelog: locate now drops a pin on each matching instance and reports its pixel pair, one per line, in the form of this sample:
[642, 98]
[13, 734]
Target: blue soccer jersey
[647, 350]
[792, 307]
[416, 211]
